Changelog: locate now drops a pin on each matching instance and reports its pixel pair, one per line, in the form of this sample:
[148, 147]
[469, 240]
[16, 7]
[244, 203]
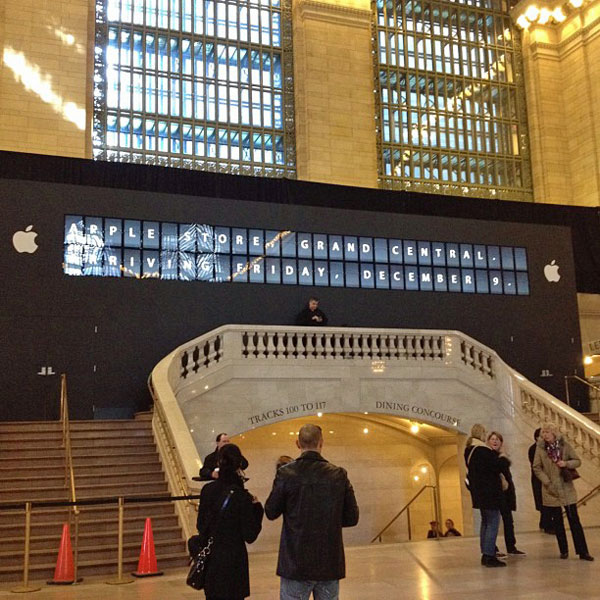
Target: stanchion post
[120, 580]
[21, 589]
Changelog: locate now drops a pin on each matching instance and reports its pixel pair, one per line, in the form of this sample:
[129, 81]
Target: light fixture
[414, 428]
[588, 360]
[522, 22]
[366, 430]
[558, 15]
[205, 387]
[576, 3]
[423, 469]
[273, 433]
[416, 478]
[532, 12]
[544, 17]
[319, 414]
[377, 366]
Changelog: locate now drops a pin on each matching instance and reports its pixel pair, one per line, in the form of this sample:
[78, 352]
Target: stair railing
[591, 386]
[69, 471]
[406, 509]
[167, 446]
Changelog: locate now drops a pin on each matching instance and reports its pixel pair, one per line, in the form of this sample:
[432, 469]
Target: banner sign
[111, 247]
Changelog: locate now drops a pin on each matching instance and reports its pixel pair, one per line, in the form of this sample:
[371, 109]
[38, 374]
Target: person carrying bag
[230, 516]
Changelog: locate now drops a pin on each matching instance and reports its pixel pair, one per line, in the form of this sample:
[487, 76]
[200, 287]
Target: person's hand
[215, 474]
[561, 463]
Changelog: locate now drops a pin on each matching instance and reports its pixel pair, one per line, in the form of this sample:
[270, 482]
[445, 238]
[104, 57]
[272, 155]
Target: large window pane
[446, 83]
[194, 78]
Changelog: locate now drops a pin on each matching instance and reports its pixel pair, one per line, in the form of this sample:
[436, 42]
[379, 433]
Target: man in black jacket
[316, 500]
[210, 470]
[311, 314]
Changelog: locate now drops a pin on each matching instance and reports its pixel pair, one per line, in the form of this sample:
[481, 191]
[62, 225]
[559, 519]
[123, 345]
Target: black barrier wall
[107, 333]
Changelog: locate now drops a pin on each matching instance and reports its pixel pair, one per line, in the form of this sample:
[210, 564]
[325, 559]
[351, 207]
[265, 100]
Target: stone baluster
[271, 347]
[347, 345]
[427, 351]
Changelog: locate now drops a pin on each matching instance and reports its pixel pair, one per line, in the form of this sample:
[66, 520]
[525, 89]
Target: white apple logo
[551, 272]
[24, 241]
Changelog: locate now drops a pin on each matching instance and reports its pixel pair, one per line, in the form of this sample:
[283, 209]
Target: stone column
[335, 111]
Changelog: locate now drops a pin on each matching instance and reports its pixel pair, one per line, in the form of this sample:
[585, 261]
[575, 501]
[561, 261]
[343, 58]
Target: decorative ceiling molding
[333, 13]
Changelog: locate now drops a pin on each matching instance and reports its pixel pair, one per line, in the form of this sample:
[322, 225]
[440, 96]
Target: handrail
[120, 500]
[405, 508]
[172, 463]
[174, 458]
[66, 440]
[585, 499]
[69, 471]
[581, 380]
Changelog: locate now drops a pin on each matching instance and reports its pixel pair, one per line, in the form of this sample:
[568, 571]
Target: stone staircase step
[91, 513]
[89, 541]
[130, 550]
[154, 473]
[89, 525]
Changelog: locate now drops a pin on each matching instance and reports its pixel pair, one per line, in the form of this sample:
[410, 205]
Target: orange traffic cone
[64, 573]
[147, 566]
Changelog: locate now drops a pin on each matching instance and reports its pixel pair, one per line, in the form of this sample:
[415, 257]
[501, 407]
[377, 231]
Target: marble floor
[447, 569]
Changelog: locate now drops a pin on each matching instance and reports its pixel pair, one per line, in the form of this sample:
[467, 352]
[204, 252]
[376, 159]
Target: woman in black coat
[233, 518]
[483, 473]
[496, 442]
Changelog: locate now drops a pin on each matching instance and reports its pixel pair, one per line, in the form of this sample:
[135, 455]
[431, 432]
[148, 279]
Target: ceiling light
[423, 469]
[319, 414]
[544, 17]
[558, 15]
[416, 478]
[532, 12]
[414, 428]
[366, 430]
[588, 360]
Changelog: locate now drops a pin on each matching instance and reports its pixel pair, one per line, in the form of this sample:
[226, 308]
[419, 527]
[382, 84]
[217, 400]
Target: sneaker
[516, 552]
[500, 554]
[491, 561]
[586, 557]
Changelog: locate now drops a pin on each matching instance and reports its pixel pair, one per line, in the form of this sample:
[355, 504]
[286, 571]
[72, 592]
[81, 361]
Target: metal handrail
[406, 508]
[184, 488]
[581, 380]
[69, 471]
[27, 506]
[593, 492]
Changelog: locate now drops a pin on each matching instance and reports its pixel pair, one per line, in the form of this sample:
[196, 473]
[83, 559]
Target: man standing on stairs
[210, 470]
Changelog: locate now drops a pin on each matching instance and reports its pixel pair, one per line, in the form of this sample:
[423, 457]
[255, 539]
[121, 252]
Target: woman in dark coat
[231, 527]
[483, 469]
[496, 442]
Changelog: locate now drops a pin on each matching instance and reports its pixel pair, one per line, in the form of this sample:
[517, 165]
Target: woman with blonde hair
[555, 465]
[483, 468]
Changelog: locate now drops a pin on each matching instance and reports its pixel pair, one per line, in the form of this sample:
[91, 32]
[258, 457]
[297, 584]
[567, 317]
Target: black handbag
[196, 577]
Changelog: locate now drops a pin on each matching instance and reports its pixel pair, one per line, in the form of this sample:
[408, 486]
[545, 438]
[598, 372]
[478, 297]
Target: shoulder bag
[197, 575]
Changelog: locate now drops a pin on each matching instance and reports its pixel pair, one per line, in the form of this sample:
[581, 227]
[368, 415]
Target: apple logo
[551, 272]
[24, 241]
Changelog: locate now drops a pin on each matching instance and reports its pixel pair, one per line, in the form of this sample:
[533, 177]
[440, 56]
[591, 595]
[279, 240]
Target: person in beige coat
[553, 456]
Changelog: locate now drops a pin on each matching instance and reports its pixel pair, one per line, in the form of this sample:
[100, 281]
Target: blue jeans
[291, 589]
[490, 521]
